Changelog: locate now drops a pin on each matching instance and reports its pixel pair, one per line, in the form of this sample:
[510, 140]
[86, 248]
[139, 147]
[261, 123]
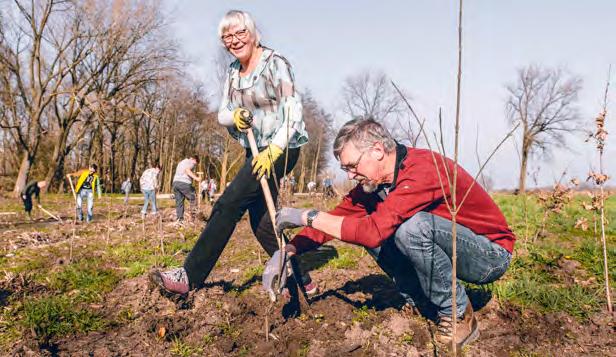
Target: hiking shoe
[410, 310]
[174, 281]
[467, 329]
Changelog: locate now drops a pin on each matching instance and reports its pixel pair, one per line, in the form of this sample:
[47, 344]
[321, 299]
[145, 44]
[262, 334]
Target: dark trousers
[244, 193]
[182, 190]
[27, 200]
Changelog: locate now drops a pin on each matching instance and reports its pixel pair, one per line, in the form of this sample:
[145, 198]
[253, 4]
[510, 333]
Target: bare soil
[358, 311]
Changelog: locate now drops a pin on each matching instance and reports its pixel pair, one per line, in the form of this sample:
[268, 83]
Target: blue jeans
[149, 196]
[87, 194]
[418, 259]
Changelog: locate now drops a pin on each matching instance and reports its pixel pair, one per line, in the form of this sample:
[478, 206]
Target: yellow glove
[242, 118]
[263, 163]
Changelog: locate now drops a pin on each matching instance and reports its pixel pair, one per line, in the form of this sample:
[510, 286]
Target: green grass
[347, 258]
[56, 316]
[533, 280]
[184, 349]
[362, 314]
[86, 281]
[252, 272]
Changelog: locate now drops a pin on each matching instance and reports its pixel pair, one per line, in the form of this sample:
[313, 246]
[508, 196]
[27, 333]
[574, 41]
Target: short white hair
[239, 18]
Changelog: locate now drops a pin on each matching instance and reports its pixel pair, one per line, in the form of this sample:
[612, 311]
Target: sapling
[599, 136]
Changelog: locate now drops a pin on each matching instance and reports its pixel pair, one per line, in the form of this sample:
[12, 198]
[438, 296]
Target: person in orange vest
[87, 182]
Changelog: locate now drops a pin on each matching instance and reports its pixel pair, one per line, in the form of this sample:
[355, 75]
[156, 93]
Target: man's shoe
[467, 329]
[174, 281]
[410, 310]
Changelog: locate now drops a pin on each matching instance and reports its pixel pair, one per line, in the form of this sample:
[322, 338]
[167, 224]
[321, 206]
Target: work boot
[410, 310]
[174, 281]
[467, 329]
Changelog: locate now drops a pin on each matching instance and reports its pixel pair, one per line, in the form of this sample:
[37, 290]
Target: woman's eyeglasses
[240, 35]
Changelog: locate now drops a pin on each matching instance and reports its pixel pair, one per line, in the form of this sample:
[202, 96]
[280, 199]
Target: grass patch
[56, 316]
[529, 283]
[362, 314]
[183, 349]
[347, 258]
[85, 281]
[252, 273]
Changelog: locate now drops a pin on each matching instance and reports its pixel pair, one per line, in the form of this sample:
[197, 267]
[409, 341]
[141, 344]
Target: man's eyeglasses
[352, 167]
[240, 35]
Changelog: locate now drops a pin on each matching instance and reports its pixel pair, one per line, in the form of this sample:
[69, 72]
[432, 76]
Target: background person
[203, 188]
[126, 187]
[32, 189]
[183, 186]
[148, 182]
[211, 190]
[87, 182]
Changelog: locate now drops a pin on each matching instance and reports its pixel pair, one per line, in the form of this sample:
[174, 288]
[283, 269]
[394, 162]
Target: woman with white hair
[259, 81]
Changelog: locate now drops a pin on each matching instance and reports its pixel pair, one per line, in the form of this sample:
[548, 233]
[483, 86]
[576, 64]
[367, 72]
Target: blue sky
[414, 42]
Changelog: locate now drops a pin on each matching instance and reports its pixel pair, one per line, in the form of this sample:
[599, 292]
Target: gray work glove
[288, 217]
[272, 274]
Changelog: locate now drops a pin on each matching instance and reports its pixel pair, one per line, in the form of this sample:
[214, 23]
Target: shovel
[296, 283]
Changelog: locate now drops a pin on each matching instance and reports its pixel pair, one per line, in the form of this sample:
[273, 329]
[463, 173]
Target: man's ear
[378, 151]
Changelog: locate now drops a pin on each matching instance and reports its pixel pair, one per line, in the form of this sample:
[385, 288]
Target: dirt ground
[357, 312]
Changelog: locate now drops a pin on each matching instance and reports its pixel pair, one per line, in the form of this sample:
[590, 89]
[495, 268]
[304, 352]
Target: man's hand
[275, 272]
[263, 163]
[288, 217]
[39, 206]
[242, 118]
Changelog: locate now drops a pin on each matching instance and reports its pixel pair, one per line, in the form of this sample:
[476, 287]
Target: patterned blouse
[269, 93]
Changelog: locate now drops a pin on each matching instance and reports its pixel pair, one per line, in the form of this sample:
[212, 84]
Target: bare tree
[32, 74]
[370, 94]
[542, 102]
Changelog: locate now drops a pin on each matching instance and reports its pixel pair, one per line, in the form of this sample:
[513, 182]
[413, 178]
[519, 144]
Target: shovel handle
[269, 201]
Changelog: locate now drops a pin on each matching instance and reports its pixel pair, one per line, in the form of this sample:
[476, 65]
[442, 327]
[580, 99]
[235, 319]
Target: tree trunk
[223, 167]
[55, 174]
[523, 169]
[22, 175]
[315, 168]
[302, 175]
[112, 160]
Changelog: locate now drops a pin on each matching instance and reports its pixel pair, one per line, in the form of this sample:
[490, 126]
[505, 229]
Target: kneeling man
[398, 212]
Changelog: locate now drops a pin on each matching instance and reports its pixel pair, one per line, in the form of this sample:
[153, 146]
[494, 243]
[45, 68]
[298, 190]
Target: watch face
[312, 214]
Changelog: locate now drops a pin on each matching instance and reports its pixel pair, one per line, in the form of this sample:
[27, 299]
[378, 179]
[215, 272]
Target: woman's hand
[242, 118]
[263, 163]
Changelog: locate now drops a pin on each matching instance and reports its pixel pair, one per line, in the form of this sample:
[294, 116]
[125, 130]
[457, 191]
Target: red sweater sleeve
[310, 238]
[403, 202]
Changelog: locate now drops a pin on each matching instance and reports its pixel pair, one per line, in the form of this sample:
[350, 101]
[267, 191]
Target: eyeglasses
[240, 35]
[352, 167]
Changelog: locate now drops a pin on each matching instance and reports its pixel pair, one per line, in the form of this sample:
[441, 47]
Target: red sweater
[369, 220]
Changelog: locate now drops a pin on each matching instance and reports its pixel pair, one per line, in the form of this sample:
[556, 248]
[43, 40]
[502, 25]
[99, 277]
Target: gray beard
[369, 187]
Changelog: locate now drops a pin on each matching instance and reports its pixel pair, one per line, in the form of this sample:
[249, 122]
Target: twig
[160, 233]
[454, 254]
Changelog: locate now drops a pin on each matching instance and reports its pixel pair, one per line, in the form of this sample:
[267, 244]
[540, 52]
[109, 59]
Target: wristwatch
[311, 215]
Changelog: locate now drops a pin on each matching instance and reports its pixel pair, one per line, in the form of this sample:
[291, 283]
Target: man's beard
[367, 185]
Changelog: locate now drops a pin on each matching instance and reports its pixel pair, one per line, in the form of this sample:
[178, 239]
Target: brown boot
[467, 329]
